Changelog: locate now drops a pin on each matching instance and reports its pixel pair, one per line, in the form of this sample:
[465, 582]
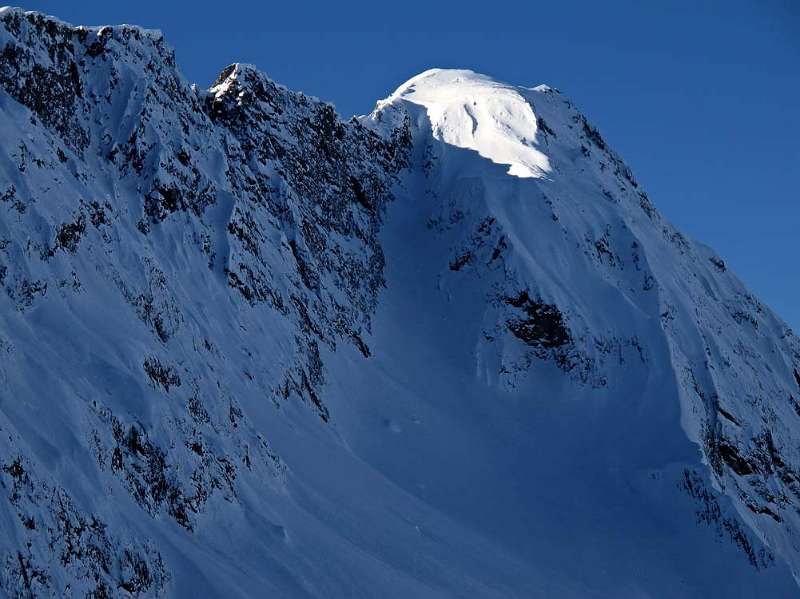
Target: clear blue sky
[702, 99]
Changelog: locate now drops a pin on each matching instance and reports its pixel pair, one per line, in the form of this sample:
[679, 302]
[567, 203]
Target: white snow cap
[473, 111]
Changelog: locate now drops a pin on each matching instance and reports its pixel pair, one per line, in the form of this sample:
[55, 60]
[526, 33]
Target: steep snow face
[472, 111]
[446, 350]
[611, 358]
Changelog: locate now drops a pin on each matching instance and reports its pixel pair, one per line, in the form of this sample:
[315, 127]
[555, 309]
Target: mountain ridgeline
[446, 349]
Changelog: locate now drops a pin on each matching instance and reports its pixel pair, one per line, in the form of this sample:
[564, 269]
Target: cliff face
[172, 256]
[447, 349]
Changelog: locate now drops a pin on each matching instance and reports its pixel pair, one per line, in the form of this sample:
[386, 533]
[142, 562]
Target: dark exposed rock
[727, 415]
[8, 194]
[164, 376]
[337, 177]
[50, 92]
[76, 544]
[718, 263]
[150, 479]
[69, 235]
[25, 292]
[709, 512]
[733, 458]
[544, 127]
[543, 325]
[460, 262]
[593, 135]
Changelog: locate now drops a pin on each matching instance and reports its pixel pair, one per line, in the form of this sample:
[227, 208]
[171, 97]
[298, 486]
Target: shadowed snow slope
[449, 349]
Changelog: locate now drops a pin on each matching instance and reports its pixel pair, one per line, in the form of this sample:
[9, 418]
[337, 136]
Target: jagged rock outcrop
[120, 182]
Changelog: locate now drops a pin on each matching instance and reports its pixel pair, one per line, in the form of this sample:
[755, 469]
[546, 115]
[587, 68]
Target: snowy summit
[473, 111]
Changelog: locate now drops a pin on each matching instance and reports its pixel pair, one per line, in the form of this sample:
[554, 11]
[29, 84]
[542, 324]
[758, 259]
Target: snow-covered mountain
[448, 349]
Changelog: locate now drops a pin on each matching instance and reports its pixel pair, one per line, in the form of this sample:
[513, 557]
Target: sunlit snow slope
[449, 349]
[472, 111]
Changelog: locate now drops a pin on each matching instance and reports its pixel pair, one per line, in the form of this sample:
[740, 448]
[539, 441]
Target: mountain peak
[474, 111]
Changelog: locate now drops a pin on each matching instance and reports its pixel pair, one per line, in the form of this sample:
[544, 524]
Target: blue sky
[702, 99]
